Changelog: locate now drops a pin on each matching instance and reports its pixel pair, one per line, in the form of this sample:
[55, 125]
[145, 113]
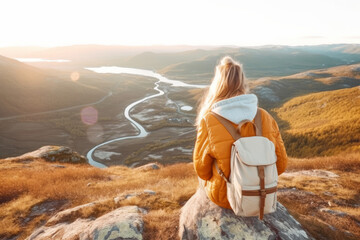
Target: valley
[170, 125]
[125, 121]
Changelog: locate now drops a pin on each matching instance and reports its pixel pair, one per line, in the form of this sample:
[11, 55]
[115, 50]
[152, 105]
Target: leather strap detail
[258, 123]
[257, 192]
[221, 173]
[229, 127]
[261, 173]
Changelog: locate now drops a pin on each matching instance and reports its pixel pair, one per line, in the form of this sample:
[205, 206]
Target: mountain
[14, 52]
[260, 62]
[91, 55]
[156, 61]
[345, 51]
[324, 123]
[196, 63]
[274, 91]
[26, 89]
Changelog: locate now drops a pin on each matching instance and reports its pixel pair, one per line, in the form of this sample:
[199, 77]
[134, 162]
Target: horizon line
[177, 45]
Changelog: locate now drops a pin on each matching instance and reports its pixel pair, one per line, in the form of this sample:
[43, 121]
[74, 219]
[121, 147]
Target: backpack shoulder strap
[227, 124]
[258, 122]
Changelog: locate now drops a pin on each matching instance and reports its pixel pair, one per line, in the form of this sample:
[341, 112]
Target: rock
[54, 154]
[122, 197]
[125, 196]
[131, 195]
[48, 207]
[328, 194]
[58, 166]
[149, 166]
[122, 223]
[333, 212]
[60, 216]
[150, 192]
[311, 173]
[202, 219]
[61, 231]
[118, 199]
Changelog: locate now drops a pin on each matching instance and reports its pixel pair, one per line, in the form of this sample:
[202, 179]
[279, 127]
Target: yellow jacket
[214, 142]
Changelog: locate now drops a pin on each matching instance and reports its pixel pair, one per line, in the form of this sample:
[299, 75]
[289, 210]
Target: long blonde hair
[229, 81]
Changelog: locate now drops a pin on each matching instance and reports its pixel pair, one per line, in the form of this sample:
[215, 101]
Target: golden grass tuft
[346, 162]
[161, 224]
[45, 181]
[12, 212]
[29, 183]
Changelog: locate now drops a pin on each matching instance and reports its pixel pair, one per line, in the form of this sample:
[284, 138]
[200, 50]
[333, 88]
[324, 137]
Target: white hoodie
[238, 108]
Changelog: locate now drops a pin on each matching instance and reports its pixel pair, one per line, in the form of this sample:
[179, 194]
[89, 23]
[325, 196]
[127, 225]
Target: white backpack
[252, 184]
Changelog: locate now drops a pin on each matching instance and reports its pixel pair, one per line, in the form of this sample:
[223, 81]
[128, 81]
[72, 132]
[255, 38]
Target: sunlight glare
[141, 22]
[75, 76]
[89, 115]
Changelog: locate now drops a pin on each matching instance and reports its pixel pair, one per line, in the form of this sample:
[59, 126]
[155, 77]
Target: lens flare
[75, 76]
[89, 115]
[95, 134]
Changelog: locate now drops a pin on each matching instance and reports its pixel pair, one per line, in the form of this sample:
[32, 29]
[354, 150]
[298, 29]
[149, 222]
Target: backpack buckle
[262, 193]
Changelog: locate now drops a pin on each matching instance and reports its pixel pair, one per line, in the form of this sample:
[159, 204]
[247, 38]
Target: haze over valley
[73, 102]
[121, 108]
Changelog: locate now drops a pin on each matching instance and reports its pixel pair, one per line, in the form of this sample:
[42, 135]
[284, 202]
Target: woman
[228, 97]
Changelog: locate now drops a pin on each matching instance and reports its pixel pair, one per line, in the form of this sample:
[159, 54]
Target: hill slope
[265, 61]
[197, 62]
[26, 89]
[322, 123]
[273, 92]
[257, 62]
[33, 190]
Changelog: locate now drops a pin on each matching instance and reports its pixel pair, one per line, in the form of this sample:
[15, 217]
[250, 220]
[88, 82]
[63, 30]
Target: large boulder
[122, 223]
[148, 167]
[53, 154]
[202, 219]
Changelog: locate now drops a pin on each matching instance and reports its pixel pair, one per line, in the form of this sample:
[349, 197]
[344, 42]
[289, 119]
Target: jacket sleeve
[280, 151]
[202, 158]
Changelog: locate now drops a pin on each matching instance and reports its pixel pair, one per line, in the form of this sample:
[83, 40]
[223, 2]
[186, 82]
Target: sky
[178, 22]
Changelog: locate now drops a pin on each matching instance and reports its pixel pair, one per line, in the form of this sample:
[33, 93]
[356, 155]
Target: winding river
[142, 132]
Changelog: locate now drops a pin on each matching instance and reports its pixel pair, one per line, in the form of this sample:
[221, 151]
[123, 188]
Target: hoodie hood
[238, 108]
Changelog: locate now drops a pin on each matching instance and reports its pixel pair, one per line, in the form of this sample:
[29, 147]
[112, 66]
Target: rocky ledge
[122, 223]
[53, 154]
[202, 219]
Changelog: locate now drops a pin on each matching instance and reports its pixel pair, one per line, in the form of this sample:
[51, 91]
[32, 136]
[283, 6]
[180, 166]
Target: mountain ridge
[27, 89]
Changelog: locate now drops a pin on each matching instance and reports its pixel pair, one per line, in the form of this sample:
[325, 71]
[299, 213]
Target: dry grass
[346, 162]
[44, 181]
[12, 212]
[161, 224]
[305, 196]
[32, 183]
